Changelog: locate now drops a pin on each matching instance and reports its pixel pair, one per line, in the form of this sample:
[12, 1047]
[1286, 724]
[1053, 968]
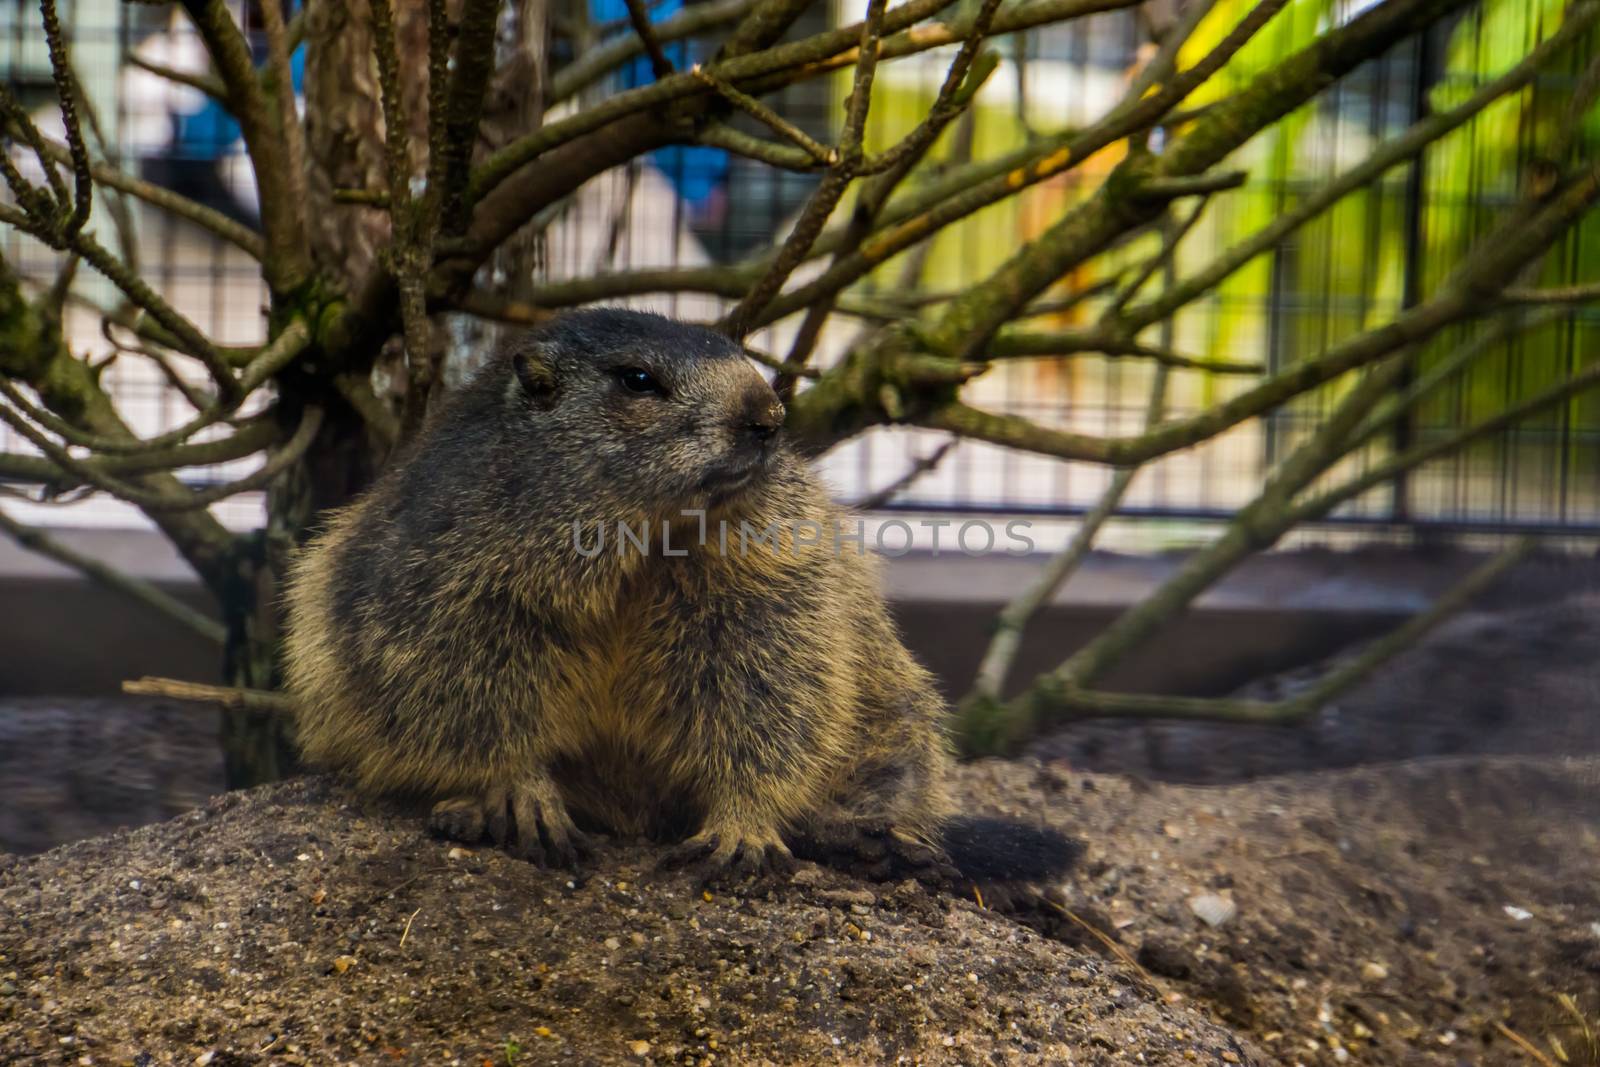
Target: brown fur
[448, 639]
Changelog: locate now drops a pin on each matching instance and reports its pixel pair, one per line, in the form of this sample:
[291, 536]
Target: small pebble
[1213, 909]
[639, 1048]
[1373, 972]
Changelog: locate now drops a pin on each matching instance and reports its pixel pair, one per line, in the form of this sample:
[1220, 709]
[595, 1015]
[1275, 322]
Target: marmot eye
[638, 380]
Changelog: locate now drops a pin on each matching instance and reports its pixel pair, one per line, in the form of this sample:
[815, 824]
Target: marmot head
[634, 407]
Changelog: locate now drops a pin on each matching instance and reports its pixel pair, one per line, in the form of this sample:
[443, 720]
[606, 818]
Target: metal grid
[684, 208]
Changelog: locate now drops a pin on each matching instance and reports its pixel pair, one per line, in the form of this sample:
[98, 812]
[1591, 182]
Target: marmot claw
[727, 858]
[528, 820]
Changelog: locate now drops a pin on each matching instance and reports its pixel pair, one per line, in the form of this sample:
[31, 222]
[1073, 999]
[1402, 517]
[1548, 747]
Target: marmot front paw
[528, 819]
[729, 854]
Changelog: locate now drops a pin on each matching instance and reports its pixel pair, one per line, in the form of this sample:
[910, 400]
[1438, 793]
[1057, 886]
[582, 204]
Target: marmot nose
[764, 418]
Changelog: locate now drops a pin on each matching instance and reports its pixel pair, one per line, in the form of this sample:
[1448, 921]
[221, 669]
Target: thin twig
[407, 931]
[1524, 1044]
[784, 157]
[206, 83]
[1019, 343]
[1013, 620]
[814, 215]
[1570, 294]
[639, 15]
[287, 261]
[917, 469]
[67, 99]
[1105, 939]
[985, 306]
[229, 697]
[955, 93]
[1169, 247]
[764, 114]
[159, 500]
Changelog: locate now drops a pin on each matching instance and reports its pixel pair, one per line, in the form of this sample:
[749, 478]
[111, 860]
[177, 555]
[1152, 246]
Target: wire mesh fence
[1376, 253]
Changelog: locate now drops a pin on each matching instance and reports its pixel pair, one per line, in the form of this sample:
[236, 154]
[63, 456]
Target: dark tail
[988, 849]
[993, 853]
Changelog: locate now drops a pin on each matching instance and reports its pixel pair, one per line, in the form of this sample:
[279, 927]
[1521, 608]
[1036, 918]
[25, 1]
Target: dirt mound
[1430, 913]
[292, 924]
[1422, 913]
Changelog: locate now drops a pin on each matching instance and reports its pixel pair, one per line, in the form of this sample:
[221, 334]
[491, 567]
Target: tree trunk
[345, 130]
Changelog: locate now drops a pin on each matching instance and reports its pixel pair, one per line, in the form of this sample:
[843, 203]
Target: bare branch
[1315, 507]
[511, 158]
[357, 392]
[189, 337]
[236, 234]
[474, 63]
[287, 117]
[1383, 158]
[784, 157]
[287, 262]
[167, 499]
[1013, 343]
[411, 250]
[38, 204]
[1473, 289]
[206, 83]
[284, 349]
[954, 95]
[1169, 247]
[38, 357]
[979, 709]
[1068, 702]
[1164, 64]
[138, 589]
[597, 62]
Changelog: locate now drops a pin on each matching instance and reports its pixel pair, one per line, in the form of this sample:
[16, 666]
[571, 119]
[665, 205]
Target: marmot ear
[537, 376]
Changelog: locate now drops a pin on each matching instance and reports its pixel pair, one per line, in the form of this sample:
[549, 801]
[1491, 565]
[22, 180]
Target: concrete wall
[59, 634]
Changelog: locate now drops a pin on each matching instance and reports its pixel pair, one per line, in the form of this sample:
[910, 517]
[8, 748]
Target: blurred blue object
[699, 175]
[211, 133]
